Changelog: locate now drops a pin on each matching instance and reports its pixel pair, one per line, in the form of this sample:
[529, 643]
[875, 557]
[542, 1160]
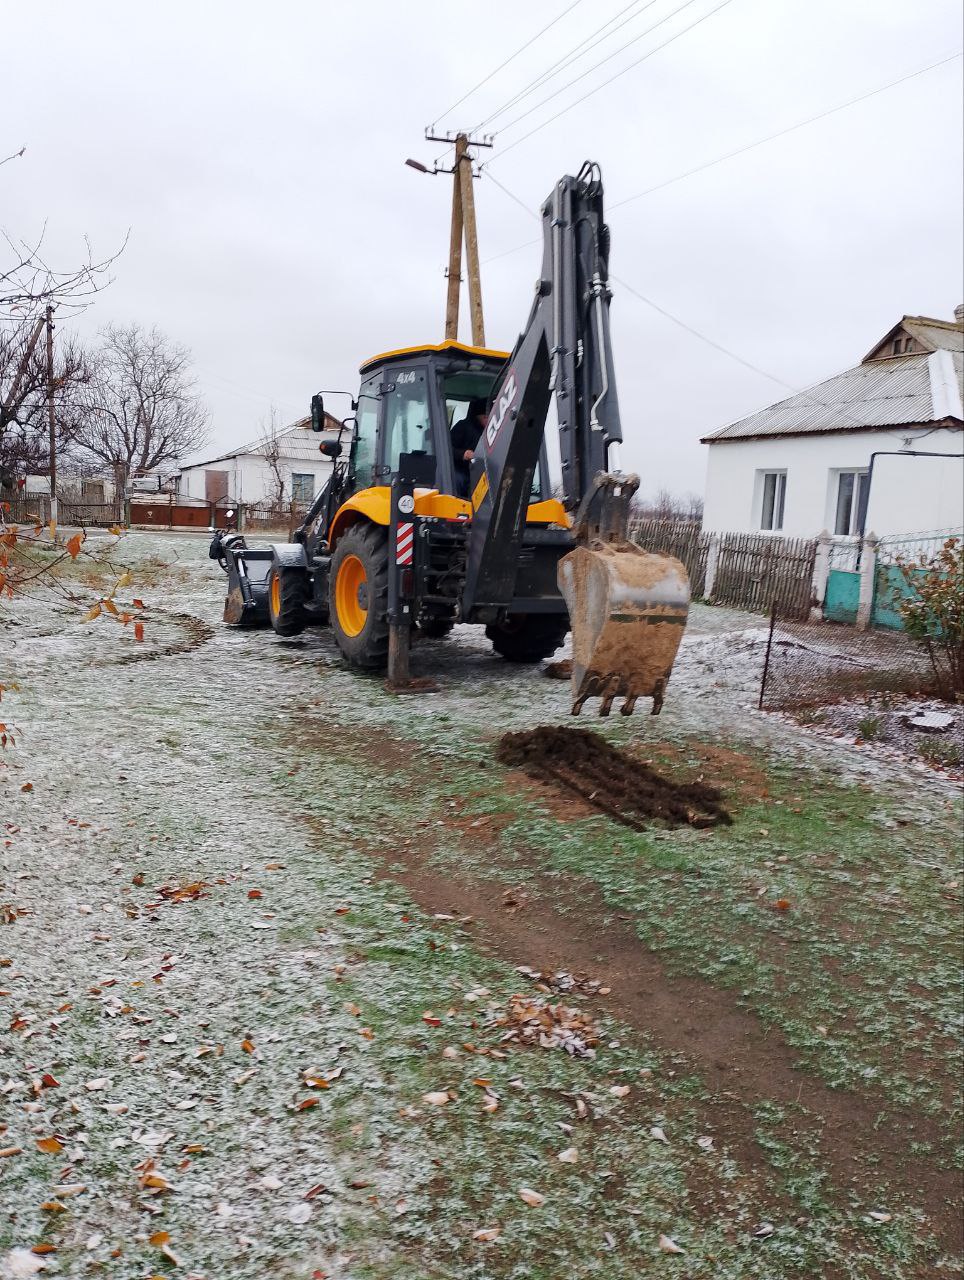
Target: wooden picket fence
[680, 538]
[754, 570]
[745, 570]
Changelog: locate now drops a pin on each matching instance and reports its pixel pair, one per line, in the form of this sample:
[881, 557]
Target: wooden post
[455, 246]
[766, 660]
[51, 415]
[21, 371]
[463, 165]
[712, 563]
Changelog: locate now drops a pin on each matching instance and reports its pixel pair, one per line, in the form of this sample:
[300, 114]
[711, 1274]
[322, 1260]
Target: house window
[302, 487]
[774, 498]
[850, 486]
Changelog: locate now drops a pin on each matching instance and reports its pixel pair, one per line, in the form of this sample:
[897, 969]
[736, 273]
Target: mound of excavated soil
[578, 761]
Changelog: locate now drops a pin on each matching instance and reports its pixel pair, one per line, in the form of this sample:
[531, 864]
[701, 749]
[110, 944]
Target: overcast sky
[256, 152]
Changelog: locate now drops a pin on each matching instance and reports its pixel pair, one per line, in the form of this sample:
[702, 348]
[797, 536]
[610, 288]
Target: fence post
[868, 576]
[766, 661]
[821, 572]
[712, 560]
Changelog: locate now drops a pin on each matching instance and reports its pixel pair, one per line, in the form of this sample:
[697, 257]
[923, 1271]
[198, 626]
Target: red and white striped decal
[404, 542]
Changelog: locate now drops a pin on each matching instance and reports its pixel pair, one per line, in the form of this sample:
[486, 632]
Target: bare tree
[28, 281]
[665, 505]
[24, 433]
[141, 408]
[692, 507]
[269, 446]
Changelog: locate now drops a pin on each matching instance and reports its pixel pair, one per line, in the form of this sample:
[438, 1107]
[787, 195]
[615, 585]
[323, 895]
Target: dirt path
[741, 1060]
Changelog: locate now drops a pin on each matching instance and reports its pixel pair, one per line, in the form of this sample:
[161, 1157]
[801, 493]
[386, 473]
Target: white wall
[908, 495]
[250, 479]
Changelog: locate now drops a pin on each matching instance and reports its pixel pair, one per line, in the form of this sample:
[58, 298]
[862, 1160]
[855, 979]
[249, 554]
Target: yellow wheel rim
[275, 594]
[351, 596]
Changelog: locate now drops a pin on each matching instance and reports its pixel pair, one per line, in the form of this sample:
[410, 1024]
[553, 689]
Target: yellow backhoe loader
[413, 531]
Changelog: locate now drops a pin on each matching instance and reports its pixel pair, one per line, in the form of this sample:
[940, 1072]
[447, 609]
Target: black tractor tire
[436, 628]
[287, 594]
[528, 637]
[359, 571]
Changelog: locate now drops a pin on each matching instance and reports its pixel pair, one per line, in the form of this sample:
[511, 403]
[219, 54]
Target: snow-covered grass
[222, 1019]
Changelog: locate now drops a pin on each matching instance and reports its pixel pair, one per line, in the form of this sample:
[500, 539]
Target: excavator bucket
[627, 608]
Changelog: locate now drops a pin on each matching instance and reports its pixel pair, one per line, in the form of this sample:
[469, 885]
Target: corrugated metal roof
[296, 441]
[883, 393]
[937, 334]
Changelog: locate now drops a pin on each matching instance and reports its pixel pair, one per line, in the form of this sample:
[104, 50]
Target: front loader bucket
[627, 608]
[246, 604]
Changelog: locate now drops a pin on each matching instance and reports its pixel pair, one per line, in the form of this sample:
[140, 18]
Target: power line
[520, 203]
[602, 62]
[781, 133]
[662, 310]
[750, 146]
[697, 23]
[567, 59]
[238, 389]
[747, 364]
[510, 58]
[844, 413]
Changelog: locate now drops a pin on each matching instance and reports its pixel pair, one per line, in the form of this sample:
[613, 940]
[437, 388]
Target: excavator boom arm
[565, 351]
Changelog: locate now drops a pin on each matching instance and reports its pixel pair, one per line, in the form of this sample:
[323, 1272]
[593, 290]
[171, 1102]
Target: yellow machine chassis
[375, 506]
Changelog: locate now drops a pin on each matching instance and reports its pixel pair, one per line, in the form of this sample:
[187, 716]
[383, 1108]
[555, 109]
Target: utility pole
[24, 362]
[454, 272]
[51, 415]
[464, 165]
[463, 224]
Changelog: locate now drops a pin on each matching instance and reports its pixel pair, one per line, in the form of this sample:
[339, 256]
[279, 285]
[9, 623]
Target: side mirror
[330, 448]
[317, 412]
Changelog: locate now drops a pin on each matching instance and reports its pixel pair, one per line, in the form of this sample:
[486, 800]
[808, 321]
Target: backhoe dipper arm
[565, 350]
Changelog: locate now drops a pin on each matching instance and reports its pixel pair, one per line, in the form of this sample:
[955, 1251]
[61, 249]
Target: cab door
[364, 441]
[407, 420]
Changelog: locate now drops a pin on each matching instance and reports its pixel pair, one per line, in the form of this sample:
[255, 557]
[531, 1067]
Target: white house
[286, 467]
[806, 463]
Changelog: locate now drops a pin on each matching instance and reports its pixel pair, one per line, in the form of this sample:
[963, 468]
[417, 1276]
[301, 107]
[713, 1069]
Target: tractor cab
[409, 402]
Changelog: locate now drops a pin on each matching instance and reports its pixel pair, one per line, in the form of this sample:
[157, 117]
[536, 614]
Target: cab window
[407, 418]
[366, 433]
[459, 389]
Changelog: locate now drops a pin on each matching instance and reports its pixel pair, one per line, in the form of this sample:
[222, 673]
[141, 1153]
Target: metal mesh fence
[808, 664]
[272, 517]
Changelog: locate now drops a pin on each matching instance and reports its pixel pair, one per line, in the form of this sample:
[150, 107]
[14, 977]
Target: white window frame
[860, 479]
[778, 510]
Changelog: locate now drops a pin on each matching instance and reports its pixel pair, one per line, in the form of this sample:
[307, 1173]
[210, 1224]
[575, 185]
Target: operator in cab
[465, 437]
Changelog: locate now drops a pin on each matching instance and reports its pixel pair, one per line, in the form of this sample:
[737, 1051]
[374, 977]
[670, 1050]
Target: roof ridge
[933, 320]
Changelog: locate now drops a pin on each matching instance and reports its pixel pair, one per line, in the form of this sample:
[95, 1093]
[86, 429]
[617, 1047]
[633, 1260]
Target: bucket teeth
[627, 609]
